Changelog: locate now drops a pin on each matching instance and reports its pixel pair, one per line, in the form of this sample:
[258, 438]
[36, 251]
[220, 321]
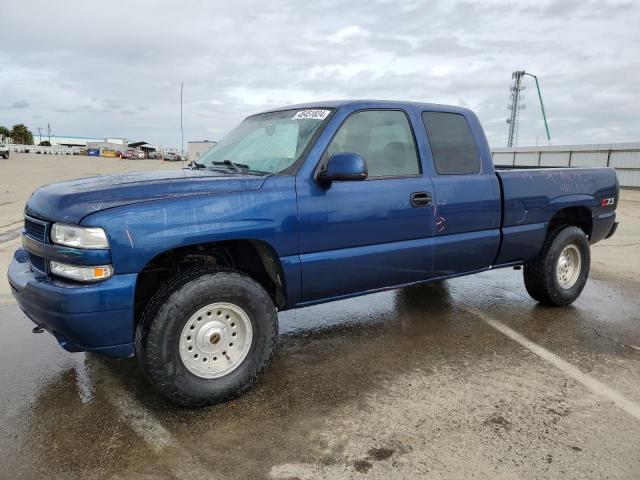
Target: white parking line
[181, 463]
[142, 422]
[595, 386]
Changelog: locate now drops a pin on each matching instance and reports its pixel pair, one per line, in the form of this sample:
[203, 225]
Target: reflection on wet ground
[72, 414]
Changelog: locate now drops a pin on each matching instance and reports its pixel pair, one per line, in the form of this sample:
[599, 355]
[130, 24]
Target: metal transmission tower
[515, 105]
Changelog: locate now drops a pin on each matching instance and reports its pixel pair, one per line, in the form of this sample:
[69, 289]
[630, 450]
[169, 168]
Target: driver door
[366, 235]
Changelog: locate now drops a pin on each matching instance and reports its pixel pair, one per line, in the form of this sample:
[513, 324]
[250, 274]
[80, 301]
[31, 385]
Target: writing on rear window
[311, 115]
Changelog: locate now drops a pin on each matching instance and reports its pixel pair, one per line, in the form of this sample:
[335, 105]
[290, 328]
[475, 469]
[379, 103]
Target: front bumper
[94, 317]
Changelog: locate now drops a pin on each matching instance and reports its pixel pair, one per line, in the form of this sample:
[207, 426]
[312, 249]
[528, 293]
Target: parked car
[170, 157]
[188, 269]
[4, 151]
[129, 155]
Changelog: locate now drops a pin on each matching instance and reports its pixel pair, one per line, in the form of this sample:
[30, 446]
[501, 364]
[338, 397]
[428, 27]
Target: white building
[197, 149]
[75, 141]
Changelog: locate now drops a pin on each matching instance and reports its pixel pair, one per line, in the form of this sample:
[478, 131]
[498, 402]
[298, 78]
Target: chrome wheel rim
[568, 266]
[215, 340]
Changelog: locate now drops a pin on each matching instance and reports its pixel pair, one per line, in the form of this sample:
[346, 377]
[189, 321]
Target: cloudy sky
[114, 68]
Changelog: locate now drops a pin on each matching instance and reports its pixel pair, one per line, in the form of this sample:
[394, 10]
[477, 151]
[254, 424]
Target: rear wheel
[559, 273]
[207, 336]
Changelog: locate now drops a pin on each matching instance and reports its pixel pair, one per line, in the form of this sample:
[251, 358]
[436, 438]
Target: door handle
[421, 199]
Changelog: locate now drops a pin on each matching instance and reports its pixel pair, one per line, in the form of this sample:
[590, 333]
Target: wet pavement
[458, 379]
[412, 383]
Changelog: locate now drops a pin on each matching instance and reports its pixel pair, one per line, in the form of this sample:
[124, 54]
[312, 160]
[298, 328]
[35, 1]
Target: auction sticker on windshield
[311, 114]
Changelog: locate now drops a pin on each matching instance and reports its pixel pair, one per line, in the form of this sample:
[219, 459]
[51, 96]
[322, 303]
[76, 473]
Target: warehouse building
[143, 146]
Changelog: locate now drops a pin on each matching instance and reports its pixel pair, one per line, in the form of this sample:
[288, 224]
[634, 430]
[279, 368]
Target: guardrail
[624, 157]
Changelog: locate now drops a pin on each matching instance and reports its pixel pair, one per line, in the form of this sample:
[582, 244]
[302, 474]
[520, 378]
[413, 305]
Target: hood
[72, 200]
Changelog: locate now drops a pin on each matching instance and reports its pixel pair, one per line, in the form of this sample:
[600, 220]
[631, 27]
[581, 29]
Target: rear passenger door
[467, 194]
[365, 235]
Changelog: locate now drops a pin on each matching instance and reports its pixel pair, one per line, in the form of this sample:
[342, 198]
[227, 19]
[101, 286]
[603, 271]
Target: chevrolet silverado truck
[187, 269]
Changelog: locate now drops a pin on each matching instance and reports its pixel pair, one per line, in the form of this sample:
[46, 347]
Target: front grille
[35, 229]
[38, 263]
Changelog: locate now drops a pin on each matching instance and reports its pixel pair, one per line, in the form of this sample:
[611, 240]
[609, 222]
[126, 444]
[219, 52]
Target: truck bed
[531, 196]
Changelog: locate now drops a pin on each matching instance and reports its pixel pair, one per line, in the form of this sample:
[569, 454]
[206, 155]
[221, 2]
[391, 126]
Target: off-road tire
[540, 273]
[157, 335]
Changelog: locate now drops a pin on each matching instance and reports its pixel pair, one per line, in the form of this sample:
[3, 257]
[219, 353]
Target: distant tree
[21, 134]
[4, 133]
[45, 143]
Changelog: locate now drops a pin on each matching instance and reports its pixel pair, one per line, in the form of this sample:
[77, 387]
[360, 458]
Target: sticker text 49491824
[311, 115]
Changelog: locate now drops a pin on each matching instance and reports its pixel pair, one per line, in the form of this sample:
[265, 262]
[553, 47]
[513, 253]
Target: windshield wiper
[197, 166]
[240, 168]
[236, 167]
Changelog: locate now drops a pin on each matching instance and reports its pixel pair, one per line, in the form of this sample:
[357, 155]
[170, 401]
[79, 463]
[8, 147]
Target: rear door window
[453, 147]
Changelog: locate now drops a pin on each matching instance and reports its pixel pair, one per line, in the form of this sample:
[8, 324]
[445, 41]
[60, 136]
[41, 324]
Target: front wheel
[559, 273]
[207, 336]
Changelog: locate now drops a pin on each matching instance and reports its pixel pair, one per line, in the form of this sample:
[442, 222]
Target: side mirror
[343, 167]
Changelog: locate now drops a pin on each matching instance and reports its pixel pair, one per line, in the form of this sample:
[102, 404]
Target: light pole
[181, 127]
[544, 115]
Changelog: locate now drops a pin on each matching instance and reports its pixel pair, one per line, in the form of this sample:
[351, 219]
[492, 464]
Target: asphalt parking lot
[467, 378]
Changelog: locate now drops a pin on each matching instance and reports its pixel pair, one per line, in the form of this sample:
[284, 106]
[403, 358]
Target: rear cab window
[453, 147]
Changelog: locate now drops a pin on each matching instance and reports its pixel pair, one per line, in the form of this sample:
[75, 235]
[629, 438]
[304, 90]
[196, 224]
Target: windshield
[269, 142]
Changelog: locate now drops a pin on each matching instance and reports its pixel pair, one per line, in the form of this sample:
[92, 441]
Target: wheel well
[572, 216]
[255, 258]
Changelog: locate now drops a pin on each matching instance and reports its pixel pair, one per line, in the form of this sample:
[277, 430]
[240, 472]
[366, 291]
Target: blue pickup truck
[296, 206]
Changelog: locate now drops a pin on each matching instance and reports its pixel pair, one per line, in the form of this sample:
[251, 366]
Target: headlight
[80, 237]
[81, 274]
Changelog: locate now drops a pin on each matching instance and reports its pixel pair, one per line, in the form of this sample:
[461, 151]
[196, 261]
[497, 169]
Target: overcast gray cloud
[114, 68]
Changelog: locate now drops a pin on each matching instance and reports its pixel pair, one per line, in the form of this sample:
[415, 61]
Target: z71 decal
[606, 202]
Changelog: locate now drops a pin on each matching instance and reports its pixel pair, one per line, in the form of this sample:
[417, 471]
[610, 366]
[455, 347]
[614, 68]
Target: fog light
[81, 274]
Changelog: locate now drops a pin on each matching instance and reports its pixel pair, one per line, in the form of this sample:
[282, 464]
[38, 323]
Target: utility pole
[39, 135]
[49, 132]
